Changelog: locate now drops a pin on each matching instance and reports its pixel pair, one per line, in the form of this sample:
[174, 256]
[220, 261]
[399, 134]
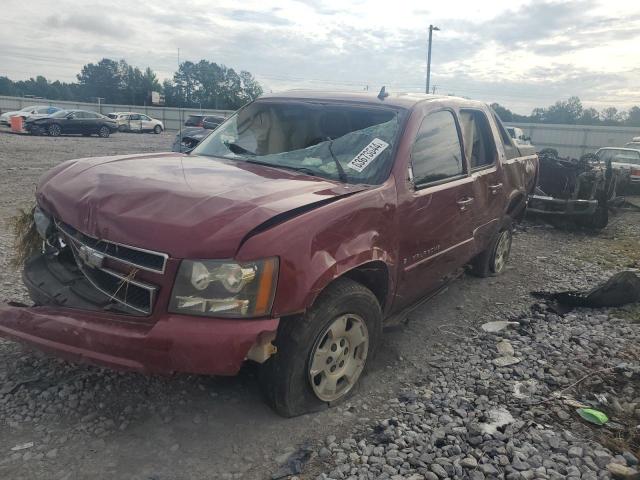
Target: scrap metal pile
[578, 190]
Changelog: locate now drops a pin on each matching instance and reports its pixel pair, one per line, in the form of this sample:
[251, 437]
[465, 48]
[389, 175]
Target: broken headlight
[215, 288]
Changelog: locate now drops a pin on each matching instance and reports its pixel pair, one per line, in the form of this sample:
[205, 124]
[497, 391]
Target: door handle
[495, 188]
[463, 203]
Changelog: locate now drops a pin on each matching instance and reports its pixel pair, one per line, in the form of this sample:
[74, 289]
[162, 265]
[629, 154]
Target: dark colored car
[65, 122]
[287, 237]
[187, 139]
[204, 121]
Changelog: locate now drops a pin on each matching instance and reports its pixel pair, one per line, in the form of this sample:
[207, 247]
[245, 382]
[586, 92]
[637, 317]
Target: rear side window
[510, 149]
[479, 146]
[437, 153]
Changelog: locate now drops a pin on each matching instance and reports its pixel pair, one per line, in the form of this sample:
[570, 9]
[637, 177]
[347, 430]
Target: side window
[436, 153]
[479, 146]
[144, 117]
[79, 115]
[134, 117]
[510, 149]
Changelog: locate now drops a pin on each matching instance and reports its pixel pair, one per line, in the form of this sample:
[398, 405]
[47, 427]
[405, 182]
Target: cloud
[257, 17]
[523, 53]
[97, 24]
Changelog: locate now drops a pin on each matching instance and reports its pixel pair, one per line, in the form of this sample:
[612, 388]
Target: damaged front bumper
[72, 324]
[546, 205]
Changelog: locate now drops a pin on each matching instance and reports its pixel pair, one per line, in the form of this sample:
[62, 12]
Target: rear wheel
[493, 260]
[54, 130]
[122, 128]
[323, 353]
[157, 129]
[104, 132]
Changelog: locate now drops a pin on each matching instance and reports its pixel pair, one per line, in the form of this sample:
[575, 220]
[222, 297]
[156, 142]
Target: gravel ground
[427, 410]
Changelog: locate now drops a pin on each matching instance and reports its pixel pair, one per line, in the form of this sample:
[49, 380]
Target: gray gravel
[428, 409]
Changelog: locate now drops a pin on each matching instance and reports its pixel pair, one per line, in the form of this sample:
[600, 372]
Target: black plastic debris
[621, 289]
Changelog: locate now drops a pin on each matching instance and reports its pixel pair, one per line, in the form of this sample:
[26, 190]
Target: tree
[568, 111]
[105, 79]
[633, 117]
[210, 85]
[590, 116]
[610, 116]
[505, 114]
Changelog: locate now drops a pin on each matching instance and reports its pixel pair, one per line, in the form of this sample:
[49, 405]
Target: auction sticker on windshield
[368, 155]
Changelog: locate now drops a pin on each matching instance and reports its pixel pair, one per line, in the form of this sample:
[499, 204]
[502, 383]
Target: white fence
[576, 140]
[171, 117]
[569, 140]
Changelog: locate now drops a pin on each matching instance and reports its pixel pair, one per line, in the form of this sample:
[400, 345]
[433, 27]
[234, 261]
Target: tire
[54, 130]
[122, 128]
[345, 307]
[104, 132]
[493, 260]
[157, 129]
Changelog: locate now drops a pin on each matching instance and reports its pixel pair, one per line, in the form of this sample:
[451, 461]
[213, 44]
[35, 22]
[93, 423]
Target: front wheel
[323, 353]
[104, 132]
[494, 259]
[54, 130]
[157, 129]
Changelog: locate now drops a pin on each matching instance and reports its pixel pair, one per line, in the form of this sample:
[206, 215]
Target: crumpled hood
[186, 206]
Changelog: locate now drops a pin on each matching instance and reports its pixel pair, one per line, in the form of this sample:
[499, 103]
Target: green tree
[504, 113]
[633, 117]
[590, 116]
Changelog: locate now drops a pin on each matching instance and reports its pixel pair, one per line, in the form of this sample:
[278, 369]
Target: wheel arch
[372, 274]
[516, 206]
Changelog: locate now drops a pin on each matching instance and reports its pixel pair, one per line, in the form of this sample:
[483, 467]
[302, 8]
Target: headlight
[218, 288]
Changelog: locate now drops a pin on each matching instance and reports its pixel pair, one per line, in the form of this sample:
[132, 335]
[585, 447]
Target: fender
[318, 246]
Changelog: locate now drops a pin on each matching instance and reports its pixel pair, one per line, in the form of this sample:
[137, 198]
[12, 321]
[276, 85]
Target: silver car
[136, 122]
[28, 112]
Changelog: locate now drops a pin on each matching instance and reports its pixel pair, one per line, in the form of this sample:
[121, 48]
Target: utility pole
[99, 99]
[431, 29]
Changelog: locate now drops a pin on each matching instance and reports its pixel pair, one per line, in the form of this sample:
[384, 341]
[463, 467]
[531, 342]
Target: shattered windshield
[344, 142]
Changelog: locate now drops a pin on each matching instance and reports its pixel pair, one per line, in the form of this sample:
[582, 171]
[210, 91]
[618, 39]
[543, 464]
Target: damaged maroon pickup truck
[287, 237]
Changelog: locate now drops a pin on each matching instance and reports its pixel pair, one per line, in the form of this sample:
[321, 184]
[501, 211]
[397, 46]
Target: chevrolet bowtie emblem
[91, 257]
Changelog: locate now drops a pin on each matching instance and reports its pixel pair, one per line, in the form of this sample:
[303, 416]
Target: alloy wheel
[338, 357]
[55, 130]
[503, 248]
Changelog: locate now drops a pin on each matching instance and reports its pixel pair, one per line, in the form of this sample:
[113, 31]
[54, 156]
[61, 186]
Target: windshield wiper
[341, 173]
[306, 170]
[237, 149]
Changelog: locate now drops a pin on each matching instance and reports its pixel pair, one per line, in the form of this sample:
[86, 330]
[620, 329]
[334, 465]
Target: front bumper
[79, 323]
[545, 205]
[175, 343]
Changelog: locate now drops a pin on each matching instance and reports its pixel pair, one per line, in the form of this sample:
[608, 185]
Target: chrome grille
[120, 287]
[134, 256]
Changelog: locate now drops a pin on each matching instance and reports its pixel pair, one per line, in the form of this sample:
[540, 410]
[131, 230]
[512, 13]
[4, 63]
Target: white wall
[576, 140]
[171, 117]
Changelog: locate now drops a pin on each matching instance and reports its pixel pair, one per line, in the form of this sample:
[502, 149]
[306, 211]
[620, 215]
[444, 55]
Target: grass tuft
[26, 241]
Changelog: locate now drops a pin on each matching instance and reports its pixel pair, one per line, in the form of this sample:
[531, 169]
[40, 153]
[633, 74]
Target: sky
[521, 54]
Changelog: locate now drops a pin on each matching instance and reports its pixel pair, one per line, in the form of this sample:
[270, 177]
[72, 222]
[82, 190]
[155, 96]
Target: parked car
[66, 122]
[136, 122]
[188, 138]
[624, 159]
[204, 121]
[34, 111]
[287, 238]
[518, 135]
